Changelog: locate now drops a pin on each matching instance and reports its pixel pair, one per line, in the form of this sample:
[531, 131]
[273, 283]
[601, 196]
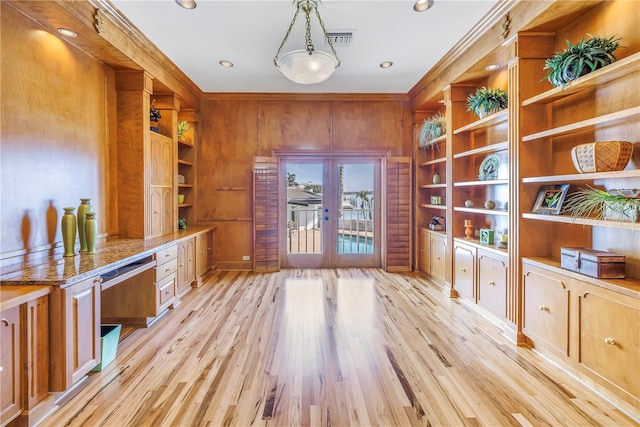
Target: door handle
[326, 218]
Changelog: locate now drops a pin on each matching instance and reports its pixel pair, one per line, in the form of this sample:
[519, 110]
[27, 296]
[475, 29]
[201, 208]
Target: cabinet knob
[181, 265]
[492, 283]
[437, 257]
[167, 270]
[543, 308]
[97, 280]
[167, 255]
[463, 269]
[609, 340]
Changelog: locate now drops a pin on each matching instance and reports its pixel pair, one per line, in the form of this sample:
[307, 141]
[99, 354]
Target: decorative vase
[85, 206]
[468, 228]
[489, 204]
[69, 232]
[468, 203]
[436, 178]
[91, 232]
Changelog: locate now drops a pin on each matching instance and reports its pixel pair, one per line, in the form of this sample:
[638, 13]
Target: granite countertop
[57, 270]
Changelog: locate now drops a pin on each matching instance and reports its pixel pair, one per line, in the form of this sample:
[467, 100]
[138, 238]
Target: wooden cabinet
[464, 270]
[11, 403]
[492, 282]
[146, 160]
[24, 359]
[432, 254]
[186, 265]
[591, 327]
[204, 255]
[75, 332]
[166, 278]
[546, 309]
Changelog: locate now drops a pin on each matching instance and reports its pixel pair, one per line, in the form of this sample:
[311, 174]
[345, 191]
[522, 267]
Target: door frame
[378, 157]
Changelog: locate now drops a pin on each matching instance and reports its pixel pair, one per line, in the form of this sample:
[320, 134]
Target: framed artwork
[550, 199]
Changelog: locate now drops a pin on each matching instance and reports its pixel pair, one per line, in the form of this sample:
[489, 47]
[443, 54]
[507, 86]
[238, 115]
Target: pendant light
[308, 65]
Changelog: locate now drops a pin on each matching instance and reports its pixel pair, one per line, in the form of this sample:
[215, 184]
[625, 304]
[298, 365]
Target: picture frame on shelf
[550, 199]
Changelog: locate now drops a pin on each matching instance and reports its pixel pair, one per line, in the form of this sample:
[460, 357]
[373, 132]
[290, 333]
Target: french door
[330, 211]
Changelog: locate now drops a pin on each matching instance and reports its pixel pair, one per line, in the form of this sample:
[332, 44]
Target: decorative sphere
[489, 204]
[469, 203]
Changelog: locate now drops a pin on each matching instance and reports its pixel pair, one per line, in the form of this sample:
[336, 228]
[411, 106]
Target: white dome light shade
[301, 67]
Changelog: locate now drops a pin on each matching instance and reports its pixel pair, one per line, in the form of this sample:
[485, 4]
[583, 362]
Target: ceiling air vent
[339, 38]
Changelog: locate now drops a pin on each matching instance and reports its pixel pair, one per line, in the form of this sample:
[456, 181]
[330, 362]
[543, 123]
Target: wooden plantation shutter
[398, 214]
[265, 215]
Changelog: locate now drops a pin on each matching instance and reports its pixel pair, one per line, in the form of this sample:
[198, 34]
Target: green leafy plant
[432, 128]
[579, 59]
[487, 101]
[595, 203]
[183, 126]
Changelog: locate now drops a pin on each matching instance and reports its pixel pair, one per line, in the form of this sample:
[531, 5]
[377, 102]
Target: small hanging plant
[580, 59]
[487, 101]
[432, 128]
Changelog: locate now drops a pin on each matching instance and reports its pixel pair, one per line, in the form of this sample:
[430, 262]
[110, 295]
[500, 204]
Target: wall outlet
[246, 258]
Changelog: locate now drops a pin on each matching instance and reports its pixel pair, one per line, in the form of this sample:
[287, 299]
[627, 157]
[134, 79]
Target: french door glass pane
[304, 208]
[356, 224]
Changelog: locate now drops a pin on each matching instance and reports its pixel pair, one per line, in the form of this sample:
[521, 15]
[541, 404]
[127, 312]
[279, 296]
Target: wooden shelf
[618, 69]
[493, 119]
[623, 115]
[500, 146]
[477, 244]
[185, 143]
[628, 286]
[634, 173]
[432, 162]
[185, 185]
[566, 219]
[184, 162]
[426, 205]
[441, 185]
[439, 232]
[185, 205]
[498, 212]
[481, 183]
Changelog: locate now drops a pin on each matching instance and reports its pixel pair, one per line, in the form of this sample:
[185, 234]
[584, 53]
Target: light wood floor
[340, 347]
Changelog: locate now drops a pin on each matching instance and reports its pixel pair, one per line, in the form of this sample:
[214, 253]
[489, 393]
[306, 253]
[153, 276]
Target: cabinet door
[464, 271]
[424, 244]
[492, 282]
[438, 257]
[609, 338]
[167, 162]
[156, 216]
[11, 374]
[37, 354]
[166, 289]
[82, 329]
[545, 304]
[157, 164]
[186, 265]
[168, 223]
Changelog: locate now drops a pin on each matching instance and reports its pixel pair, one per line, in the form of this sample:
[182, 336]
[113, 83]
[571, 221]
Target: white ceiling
[248, 33]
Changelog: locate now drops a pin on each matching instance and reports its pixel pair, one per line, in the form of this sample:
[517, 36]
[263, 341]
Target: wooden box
[598, 264]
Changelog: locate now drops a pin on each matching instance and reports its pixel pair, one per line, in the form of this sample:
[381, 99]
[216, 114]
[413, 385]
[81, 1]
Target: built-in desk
[75, 290]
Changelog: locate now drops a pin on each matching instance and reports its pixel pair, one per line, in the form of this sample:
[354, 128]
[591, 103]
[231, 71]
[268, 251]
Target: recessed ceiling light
[386, 64]
[227, 64]
[492, 67]
[187, 4]
[422, 5]
[67, 33]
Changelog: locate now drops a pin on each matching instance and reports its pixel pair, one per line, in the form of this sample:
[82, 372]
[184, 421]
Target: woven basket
[604, 156]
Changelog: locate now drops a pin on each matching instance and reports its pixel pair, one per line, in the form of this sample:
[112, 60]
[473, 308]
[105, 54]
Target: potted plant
[154, 116]
[619, 204]
[579, 59]
[487, 101]
[183, 126]
[432, 128]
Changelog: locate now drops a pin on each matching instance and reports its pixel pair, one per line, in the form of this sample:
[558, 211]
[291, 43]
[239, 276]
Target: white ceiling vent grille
[339, 38]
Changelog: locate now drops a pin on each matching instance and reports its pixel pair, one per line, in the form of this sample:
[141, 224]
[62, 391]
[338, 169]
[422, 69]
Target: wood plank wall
[235, 128]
